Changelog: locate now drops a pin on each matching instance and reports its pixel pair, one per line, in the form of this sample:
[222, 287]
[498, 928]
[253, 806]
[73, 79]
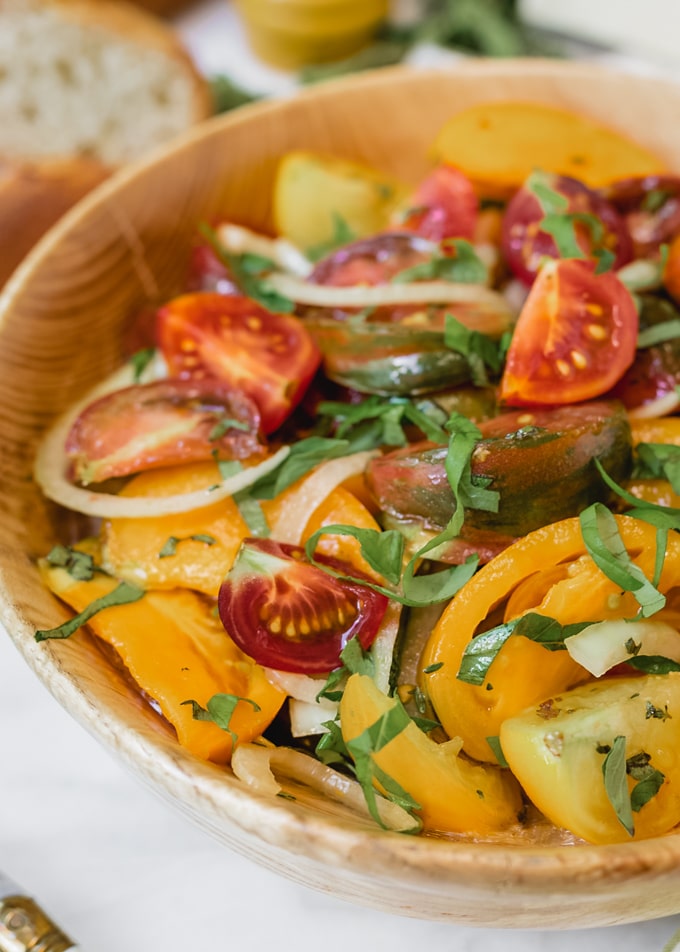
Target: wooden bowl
[62, 318]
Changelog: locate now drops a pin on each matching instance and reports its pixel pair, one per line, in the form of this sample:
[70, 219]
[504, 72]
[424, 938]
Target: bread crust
[112, 26]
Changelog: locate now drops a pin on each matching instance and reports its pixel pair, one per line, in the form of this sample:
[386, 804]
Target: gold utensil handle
[24, 927]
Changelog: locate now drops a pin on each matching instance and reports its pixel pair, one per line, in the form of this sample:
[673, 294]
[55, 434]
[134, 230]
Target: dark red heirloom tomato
[525, 245]
[270, 357]
[574, 339]
[650, 205]
[290, 615]
[444, 205]
[160, 424]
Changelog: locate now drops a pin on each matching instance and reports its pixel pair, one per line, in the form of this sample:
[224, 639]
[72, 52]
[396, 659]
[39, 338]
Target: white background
[120, 871]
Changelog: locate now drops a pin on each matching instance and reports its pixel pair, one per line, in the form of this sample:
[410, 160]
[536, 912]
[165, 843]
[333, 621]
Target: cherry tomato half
[160, 424]
[290, 615]
[651, 207]
[444, 205]
[270, 357]
[574, 339]
[525, 245]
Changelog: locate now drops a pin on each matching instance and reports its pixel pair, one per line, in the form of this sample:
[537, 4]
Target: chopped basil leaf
[391, 414]
[170, 545]
[79, 565]
[655, 199]
[354, 661]
[479, 350]
[495, 745]
[249, 273]
[227, 467]
[425, 724]
[464, 266]
[140, 361]
[123, 594]
[649, 780]
[342, 235]
[303, 457]
[219, 710]
[331, 748]
[224, 424]
[431, 668]
[252, 514]
[660, 461]
[605, 546]
[653, 664]
[561, 225]
[362, 748]
[664, 517]
[482, 650]
[616, 783]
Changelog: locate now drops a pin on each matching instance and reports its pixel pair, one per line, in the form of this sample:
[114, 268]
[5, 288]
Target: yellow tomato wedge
[557, 751]
[656, 430]
[547, 571]
[175, 650]
[208, 539]
[454, 794]
[133, 548]
[313, 191]
[498, 144]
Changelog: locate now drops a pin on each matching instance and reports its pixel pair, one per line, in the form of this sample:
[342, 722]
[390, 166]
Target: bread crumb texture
[91, 78]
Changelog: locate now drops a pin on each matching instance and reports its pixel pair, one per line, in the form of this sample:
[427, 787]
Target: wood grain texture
[62, 318]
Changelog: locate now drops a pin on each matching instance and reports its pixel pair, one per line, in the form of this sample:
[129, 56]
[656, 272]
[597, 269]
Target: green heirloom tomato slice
[541, 462]
[290, 615]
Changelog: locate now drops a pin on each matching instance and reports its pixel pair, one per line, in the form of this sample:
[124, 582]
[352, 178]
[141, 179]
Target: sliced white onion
[664, 406]
[258, 766]
[300, 686]
[307, 720]
[251, 764]
[285, 254]
[311, 492]
[641, 275]
[382, 649]
[376, 295]
[602, 646]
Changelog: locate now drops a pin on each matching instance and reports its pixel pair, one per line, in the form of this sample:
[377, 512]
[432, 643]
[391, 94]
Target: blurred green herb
[227, 94]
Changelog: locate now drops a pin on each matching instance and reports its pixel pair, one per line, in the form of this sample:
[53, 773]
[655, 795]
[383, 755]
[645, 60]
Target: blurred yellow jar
[293, 33]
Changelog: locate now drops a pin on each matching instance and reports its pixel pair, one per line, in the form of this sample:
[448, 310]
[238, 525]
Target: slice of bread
[95, 78]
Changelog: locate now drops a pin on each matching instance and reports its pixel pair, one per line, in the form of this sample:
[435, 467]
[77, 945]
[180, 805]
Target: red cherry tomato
[270, 357]
[371, 261]
[650, 386]
[525, 245]
[444, 205]
[650, 205]
[160, 424]
[290, 615]
[574, 339]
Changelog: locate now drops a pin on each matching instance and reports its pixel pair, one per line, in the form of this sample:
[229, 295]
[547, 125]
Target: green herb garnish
[605, 546]
[79, 565]
[342, 235]
[465, 266]
[219, 710]
[140, 361]
[170, 545]
[123, 594]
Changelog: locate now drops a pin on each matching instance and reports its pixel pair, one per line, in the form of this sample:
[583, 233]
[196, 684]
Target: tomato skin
[649, 386]
[575, 337]
[160, 424]
[270, 357]
[444, 205]
[525, 245]
[288, 614]
[540, 462]
[649, 227]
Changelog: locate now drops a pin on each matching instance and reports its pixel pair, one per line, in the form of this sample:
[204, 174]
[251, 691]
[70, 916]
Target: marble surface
[120, 871]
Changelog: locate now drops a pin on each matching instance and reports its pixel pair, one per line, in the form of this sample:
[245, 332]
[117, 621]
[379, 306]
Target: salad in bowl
[369, 510]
